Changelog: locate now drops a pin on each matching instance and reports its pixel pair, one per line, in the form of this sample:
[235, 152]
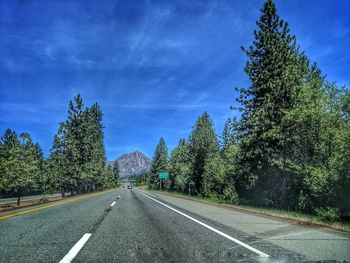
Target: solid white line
[261, 254]
[113, 203]
[75, 249]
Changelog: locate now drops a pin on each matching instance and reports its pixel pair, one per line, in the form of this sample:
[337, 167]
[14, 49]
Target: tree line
[77, 160]
[290, 146]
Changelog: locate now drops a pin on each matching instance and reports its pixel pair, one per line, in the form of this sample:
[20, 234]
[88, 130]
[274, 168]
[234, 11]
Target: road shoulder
[314, 242]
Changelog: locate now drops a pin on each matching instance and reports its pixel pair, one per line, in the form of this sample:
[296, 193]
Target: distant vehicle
[129, 186]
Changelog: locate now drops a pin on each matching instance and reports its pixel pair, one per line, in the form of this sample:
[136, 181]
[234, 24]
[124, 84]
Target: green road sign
[164, 175]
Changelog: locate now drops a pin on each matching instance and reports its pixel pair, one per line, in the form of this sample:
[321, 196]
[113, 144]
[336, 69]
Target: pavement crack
[99, 220]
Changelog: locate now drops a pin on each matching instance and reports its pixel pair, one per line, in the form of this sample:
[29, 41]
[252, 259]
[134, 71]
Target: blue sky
[153, 66]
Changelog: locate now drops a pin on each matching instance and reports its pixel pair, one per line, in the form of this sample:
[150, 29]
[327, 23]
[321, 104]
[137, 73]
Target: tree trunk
[18, 199]
[63, 193]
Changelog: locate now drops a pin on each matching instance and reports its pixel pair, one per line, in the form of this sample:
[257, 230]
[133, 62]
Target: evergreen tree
[180, 167]
[230, 134]
[58, 162]
[76, 146]
[95, 156]
[276, 69]
[78, 155]
[159, 164]
[203, 145]
[319, 155]
[19, 163]
[41, 180]
[214, 175]
[77, 160]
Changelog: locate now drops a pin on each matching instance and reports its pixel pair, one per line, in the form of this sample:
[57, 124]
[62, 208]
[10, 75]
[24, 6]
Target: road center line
[75, 249]
[261, 254]
[113, 203]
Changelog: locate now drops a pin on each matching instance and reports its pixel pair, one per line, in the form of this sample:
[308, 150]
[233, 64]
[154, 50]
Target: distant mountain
[132, 164]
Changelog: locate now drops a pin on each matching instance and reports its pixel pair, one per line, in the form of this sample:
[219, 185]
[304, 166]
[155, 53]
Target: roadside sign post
[162, 175]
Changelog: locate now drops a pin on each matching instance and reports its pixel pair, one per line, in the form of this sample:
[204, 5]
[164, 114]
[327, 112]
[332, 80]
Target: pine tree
[276, 69]
[58, 162]
[203, 145]
[19, 163]
[180, 167]
[230, 133]
[78, 154]
[10, 161]
[41, 181]
[77, 160]
[159, 164]
[94, 155]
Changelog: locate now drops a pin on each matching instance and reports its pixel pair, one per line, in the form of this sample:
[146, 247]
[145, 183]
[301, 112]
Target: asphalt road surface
[134, 226]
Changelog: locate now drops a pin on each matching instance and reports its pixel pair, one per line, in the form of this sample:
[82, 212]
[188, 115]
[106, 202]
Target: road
[134, 226]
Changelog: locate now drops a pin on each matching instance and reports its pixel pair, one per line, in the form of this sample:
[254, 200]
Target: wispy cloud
[154, 66]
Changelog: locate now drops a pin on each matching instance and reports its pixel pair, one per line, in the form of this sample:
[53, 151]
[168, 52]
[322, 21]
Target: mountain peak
[133, 163]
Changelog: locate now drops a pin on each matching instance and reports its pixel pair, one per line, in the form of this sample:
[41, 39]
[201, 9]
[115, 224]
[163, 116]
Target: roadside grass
[297, 216]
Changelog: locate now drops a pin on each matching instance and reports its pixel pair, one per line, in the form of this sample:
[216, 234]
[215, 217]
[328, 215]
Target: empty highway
[126, 225]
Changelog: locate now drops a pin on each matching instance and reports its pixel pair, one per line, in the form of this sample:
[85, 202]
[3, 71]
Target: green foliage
[276, 69]
[199, 162]
[20, 162]
[77, 159]
[230, 134]
[107, 179]
[290, 148]
[318, 189]
[139, 179]
[44, 199]
[219, 176]
[159, 163]
[180, 167]
[293, 126]
[330, 214]
[203, 145]
[230, 196]
[214, 176]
